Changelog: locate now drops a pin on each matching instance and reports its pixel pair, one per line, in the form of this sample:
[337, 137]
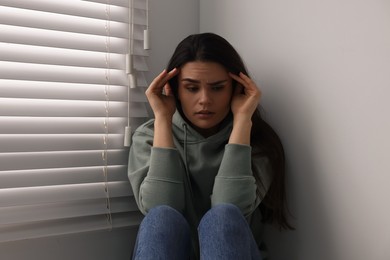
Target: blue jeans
[223, 233]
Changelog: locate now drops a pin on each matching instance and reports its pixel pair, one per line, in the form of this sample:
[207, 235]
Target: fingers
[247, 84]
[168, 90]
[239, 89]
[159, 83]
[244, 80]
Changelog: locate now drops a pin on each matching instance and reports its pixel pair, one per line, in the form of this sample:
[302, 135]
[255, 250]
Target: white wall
[170, 21]
[324, 69]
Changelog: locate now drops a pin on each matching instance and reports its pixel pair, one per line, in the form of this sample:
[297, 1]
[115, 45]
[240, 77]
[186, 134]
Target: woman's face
[205, 91]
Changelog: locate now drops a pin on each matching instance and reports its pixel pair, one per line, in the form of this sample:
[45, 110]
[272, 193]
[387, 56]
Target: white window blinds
[63, 109]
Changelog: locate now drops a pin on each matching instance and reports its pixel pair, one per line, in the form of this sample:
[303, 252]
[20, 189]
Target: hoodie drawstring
[186, 159]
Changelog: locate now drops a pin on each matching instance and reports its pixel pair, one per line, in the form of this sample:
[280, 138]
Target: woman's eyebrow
[191, 80]
[218, 82]
[208, 83]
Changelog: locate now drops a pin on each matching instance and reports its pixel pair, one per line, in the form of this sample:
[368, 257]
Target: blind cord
[107, 110]
[130, 72]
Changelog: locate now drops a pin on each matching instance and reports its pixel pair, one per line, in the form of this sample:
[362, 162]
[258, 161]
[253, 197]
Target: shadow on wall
[306, 197]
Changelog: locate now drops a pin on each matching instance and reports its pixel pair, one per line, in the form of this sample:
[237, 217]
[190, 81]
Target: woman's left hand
[246, 97]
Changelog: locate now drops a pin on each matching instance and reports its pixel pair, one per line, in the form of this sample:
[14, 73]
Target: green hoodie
[197, 174]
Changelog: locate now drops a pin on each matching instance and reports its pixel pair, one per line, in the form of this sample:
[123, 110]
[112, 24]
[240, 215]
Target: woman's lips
[204, 114]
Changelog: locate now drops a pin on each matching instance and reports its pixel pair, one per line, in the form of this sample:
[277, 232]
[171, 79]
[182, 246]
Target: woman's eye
[192, 89]
[217, 87]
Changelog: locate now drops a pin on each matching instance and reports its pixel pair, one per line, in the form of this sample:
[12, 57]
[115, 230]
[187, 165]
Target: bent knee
[225, 209]
[166, 216]
[163, 210]
[224, 214]
[223, 220]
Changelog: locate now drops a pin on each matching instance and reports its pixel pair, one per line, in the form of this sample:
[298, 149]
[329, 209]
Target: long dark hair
[210, 47]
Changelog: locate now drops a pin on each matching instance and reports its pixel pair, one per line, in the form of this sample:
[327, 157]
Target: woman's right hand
[162, 102]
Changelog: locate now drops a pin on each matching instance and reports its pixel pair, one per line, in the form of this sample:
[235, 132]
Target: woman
[207, 171]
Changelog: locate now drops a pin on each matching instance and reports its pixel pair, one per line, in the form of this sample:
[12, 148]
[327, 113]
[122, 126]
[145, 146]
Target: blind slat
[55, 56]
[62, 193]
[90, 9]
[10, 233]
[60, 176]
[34, 107]
[13, 143]
[44, 72]
[70, 40]
[59, 125]
[46, 160]
[59, 39]
[63, 90]
[45, 212]
[52, 107]
[61, 22]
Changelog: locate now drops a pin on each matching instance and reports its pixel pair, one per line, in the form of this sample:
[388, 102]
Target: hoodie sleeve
[235, 182]
[156, 174]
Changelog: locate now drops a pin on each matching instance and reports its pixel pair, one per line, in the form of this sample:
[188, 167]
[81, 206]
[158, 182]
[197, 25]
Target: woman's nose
[205, 97]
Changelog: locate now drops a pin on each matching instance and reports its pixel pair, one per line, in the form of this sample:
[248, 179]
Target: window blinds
[63, 110]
